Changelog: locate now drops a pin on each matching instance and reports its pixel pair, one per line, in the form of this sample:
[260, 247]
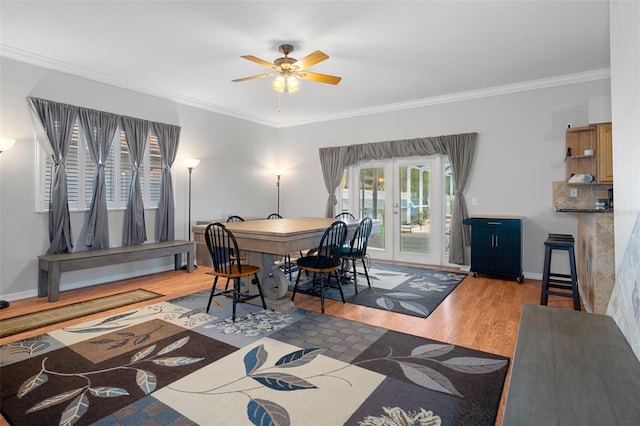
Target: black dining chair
[234, 218]
[324, 262]
[357, 250]
[221, 244]
[345, 215]
[286, 266]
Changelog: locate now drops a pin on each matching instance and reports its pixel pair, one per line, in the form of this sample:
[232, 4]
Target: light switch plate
[573, 192]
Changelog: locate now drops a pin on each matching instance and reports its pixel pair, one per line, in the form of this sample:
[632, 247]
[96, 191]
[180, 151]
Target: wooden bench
[52, 265]
[572, 368]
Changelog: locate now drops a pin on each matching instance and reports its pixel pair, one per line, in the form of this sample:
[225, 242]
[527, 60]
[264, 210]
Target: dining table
[264, 243]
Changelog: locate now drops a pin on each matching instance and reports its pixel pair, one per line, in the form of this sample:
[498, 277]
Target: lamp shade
[286, 83]
[191, 163]
[279, 172]
[6, 144]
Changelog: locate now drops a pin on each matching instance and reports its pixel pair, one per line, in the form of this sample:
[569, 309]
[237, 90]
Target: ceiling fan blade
[310, 59]
[320, 78]
[260, 61]
[253, 77]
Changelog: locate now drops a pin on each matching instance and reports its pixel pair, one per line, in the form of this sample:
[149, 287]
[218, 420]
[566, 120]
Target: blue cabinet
[496, 246]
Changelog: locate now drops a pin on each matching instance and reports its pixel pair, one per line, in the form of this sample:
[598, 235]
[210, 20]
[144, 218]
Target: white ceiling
[390, 54]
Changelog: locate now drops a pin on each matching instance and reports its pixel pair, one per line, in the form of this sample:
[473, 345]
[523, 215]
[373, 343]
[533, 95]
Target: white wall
[520, 152]
[624, 306]
[236, 157]
[625, 94]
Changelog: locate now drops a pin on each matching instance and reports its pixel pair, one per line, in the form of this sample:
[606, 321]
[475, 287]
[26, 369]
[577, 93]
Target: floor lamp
[191, 163]
[279, 174]
[5, 145]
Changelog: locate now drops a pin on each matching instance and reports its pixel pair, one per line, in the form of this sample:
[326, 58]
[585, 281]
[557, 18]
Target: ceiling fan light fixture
[286, 83]
[288, 70]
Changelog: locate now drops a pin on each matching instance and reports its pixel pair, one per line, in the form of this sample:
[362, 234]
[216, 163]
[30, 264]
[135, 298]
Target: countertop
[565, 210]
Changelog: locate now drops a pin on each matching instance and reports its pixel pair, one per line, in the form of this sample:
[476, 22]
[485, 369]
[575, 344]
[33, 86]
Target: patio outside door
[410, 198]
[416, 217]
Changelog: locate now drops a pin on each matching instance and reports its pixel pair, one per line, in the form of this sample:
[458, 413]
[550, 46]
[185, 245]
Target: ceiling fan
[288, 70]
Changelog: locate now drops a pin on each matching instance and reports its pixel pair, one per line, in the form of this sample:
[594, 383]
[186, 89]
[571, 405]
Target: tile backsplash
[587, 196]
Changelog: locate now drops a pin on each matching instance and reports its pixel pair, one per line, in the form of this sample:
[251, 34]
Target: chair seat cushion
[348, 252]
[317, 262]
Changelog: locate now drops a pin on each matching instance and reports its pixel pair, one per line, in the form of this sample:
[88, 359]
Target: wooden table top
[286, 227]
[278, 236]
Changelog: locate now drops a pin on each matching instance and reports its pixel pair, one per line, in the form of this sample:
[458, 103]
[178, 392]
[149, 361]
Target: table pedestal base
[274, 282]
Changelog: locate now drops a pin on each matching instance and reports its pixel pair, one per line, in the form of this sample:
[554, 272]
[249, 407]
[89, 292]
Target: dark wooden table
[265, 242]
[572, 368]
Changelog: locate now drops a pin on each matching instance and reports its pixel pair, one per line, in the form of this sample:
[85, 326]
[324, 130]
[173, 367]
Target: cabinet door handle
[494, 223]
[496, 241]
[492, 240]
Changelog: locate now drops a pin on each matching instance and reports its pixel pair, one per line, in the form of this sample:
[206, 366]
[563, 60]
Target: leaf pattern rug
[170, 363]
[402, 289]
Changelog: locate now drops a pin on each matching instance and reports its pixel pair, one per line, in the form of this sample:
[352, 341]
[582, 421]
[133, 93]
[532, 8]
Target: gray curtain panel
[459, 148]
[332, 161]
[99, 129]
[461, 152]
[168, 140]
[56, 121]
[136, 133]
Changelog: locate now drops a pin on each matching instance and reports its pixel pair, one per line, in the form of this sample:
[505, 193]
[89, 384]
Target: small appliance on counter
[602, 204]
[610, 198]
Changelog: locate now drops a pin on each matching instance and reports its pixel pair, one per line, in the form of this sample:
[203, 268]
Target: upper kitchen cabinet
[604, 153]
[590, 153]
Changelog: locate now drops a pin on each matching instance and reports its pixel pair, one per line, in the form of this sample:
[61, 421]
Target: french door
[410, 201]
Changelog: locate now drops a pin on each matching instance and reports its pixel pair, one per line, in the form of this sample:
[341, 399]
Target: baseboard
[88, 283]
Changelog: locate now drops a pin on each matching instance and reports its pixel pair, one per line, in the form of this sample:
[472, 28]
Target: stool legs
[544, 295]
[574, 279]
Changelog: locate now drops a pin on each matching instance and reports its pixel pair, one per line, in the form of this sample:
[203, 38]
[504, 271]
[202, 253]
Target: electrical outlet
[573, 192]
[474, 201]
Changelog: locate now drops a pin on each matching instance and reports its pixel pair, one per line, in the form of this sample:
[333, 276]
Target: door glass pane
[449, 194]
[371, 201]
[414, 209]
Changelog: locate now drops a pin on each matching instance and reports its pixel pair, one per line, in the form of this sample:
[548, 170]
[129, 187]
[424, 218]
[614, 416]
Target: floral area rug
[402, 289]
[171, 363]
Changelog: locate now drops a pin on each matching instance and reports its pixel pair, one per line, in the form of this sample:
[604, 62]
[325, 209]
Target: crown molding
[601, 74]
[89, 74]
[65, 67]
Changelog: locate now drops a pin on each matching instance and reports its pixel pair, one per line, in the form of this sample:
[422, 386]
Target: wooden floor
[481, 313]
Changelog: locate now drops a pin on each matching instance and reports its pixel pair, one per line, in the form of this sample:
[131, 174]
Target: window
[81, 173]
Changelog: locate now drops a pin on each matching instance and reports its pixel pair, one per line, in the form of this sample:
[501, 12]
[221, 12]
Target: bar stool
[566, 282]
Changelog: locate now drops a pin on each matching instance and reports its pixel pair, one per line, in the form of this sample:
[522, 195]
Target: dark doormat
[22, 323]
